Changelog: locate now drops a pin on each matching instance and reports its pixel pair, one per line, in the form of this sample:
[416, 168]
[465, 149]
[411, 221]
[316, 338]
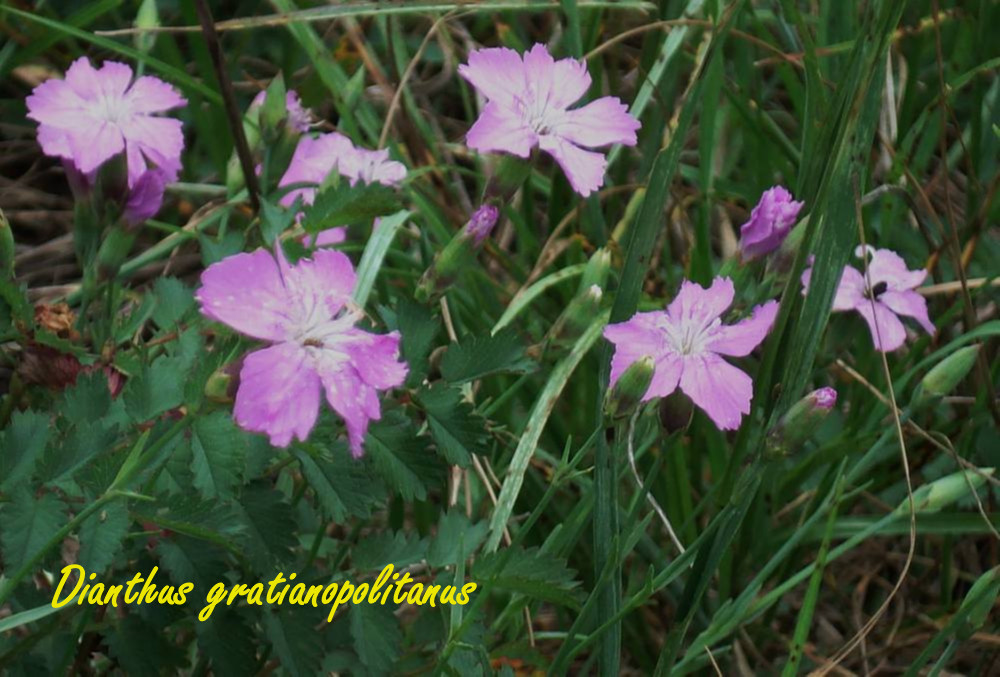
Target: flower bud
[946, 374]
[944, 491]
[676, 412]
[769, 224]
[597, 270]
[579, 314]
[624, 396]
[800, 422]
[6, 249]
[458, 253]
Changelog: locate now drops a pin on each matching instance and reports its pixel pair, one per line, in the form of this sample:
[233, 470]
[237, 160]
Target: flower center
[876, 291]
[688, 337]
[534, 111]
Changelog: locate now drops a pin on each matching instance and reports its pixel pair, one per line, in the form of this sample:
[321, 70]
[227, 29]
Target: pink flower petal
[355, 401]
[152, 95]
[325, 281]
[887, 266]
[375, 358]
[101, 143]
[850, 290]
[146, 197]
[325, 238]
[720, 389]
[634, 339]
[246, 292]
[583, 168]
[499, 129]
[694, 303]
[497, 72]
[113, 79]
[278, 394]
[910, 304]
[159, 139]
[738, 340]
[599, 123]
[666, 375]
[889, 334]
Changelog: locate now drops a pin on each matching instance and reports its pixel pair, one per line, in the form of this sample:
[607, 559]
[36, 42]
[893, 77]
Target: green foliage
[493, 462]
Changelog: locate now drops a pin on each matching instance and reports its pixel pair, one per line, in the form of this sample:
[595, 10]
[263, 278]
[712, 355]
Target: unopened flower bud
[676, 412]
[458, 253]
[944, 491]
[221, 386]
[579, 314]
[946, 374]
[800, 422]
[769, 224]
[597, 270]
[624, 396]
[6, 249]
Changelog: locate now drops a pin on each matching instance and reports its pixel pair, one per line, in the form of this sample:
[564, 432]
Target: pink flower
[299, 117]
[528, 104]
[93, 115]
[305, 311]
[325, 238]
[891, 294]
[482, 222]
[315, 158]
[770, 222]
[686, 342]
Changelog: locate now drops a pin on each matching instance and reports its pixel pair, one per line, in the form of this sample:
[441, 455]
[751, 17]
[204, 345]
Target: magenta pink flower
[315, 158]
[890, 295]
[770, 222]
[146, 196]
[93, 115]
[528, 104]
[686, 342]
[305, 311]
[299, 117]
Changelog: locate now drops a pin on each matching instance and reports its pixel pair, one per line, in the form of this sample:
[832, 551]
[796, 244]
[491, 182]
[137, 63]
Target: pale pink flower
[687, 342]
[299, 117]
[770, 222]
[316, 157]
[890, 295]
[305, 312]
[528, 102]
[95, 114]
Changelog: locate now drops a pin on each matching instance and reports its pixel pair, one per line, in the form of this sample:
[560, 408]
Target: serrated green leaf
[213, 521]
[296, 643]
[478, 356]
[456, 429]
[528, 572]
[228, 643]
[88, 399]
[401, 458]
[142, 649]
[154, 389]
[81, 444]
[188, 559]
[26, 525]
[399, 549]
[174, 300]
[270, 527]
[218, 453]
[456, 539]
[342, 204]
[377, 637]
[21, 445]
[101, 536]
[342, 484]
[419, 329]
[275, 219]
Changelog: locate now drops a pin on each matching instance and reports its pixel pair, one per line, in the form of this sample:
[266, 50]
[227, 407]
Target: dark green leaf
[21, 445]
[456, 429]
[456, 539]
[400, 457]
[477, 356]
[228, 643]
[528, 572]
[342, 205]
[101, 537]
[342, 484]
[377, 636]
[270, 527]
[154, 390]
[88, 399]
[218, 452]
[399, 549]
[143, 649]
[173, 301]
[26, 525]
[295, 641]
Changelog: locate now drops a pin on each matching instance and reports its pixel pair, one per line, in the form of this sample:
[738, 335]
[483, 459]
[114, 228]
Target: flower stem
[630, 447]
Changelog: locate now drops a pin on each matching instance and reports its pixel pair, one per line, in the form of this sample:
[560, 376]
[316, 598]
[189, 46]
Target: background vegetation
[492, 463]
